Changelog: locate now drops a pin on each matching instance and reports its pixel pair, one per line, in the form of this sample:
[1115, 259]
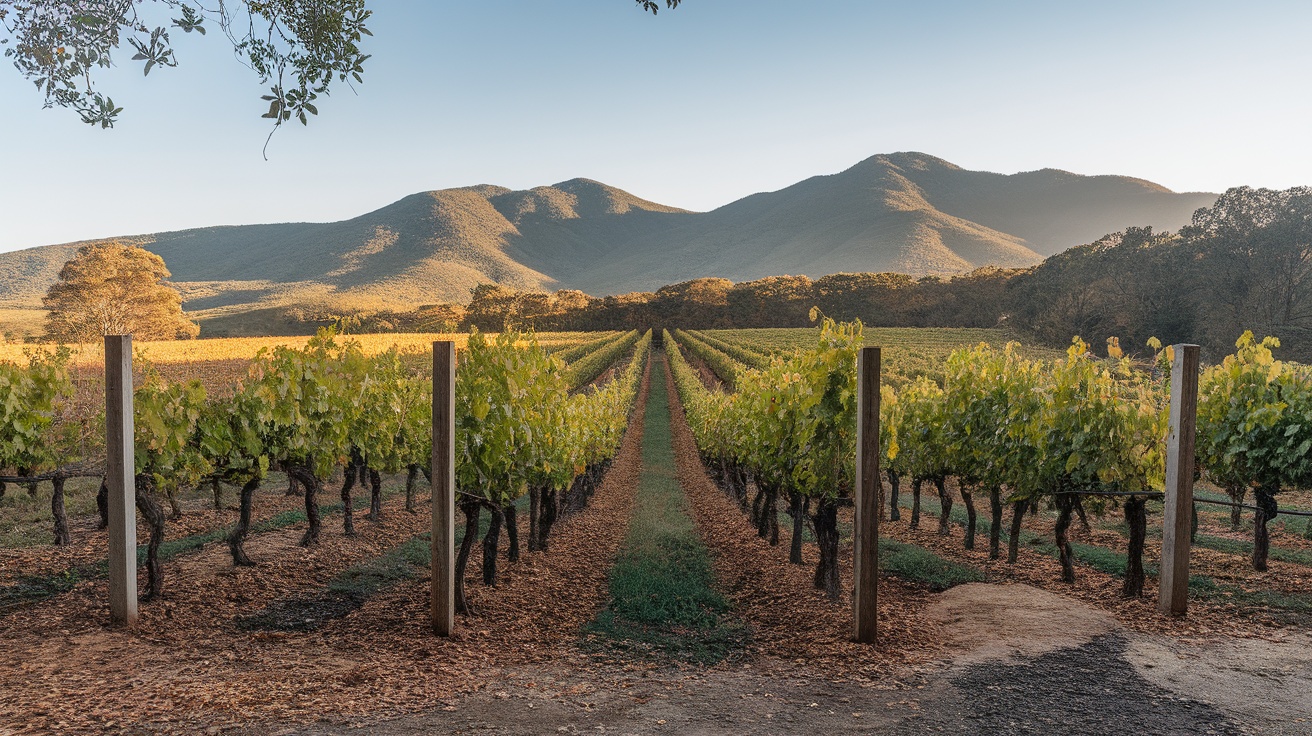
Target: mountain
[906, 212]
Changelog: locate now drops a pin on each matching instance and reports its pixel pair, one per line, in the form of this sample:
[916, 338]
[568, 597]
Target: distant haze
[906, 212]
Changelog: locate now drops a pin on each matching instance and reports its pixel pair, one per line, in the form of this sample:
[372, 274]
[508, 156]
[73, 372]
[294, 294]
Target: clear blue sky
[694, 108]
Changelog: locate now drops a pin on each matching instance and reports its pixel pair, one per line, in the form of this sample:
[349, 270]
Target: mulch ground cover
[188, 666]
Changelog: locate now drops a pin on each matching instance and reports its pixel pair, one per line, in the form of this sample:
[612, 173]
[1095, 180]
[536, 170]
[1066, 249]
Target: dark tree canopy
[1245, 263]
[298, 48]
[115, 289]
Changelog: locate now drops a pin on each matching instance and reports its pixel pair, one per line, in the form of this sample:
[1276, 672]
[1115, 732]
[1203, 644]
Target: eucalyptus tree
[299, 51]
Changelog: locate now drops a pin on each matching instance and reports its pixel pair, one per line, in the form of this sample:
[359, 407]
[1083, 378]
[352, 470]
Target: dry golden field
[173, 352]
[219, 363]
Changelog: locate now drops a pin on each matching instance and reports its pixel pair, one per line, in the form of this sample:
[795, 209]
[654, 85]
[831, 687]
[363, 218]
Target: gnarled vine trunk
[349, 475]
[102, 504]
[175, 511]
[237, 539]
[216, 486]
[534, 513]
[375, 495]
[915, 502]
[1017, 516]
[797, 509]
[772, 516]
[31, 487]
[511, 515]
[1136, 518]
[741, 480]
[1065, 506]
[758, 505]
[968, 499]
[945, 512]
[1267, 509]
[894, 480]
[547, 518]
[310, 482]
[411, 480]
[767, 524]
[154, 515]
[62, 536]
[491, 543]
[472, 510]
[995, 531]
[825, 521]
[1079, 512]
[1237, 492]
[1193, 523]
[721, 476]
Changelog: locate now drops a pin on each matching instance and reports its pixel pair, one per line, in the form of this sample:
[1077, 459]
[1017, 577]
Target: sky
[695, 108]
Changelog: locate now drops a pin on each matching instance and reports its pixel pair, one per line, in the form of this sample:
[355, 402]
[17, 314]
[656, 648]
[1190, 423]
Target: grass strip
[663, 599]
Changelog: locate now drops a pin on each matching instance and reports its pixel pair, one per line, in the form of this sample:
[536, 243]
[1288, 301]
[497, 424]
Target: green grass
[917, 564]
[662, 586]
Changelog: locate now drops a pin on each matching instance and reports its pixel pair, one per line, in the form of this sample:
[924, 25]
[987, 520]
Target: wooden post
[1173, 592]
[868, 496]
[119, 477]
[444, 487]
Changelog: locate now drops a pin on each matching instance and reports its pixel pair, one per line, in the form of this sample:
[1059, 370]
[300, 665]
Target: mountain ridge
[905, 211]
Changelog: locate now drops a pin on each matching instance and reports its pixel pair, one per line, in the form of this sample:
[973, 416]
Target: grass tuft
[919, 565]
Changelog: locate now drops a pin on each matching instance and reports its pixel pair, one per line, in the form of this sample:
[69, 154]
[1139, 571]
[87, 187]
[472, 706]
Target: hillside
[905, 212]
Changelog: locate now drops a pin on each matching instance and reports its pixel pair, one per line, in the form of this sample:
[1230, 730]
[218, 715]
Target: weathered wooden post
[444, 486]
[1173, 591]
[868, 495]
[120, 479]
